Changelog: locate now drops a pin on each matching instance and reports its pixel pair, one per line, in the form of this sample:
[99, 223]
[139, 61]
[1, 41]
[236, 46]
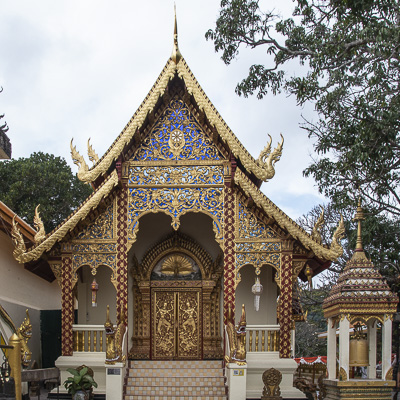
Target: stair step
[175, 380]
[175, 391]
[178, 381]
[175, 364]
[146, 397]
[172, 373]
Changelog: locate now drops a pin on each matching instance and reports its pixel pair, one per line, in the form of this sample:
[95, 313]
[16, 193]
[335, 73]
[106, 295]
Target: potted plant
[80, 384]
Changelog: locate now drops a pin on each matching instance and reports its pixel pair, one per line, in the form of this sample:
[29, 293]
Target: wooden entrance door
[176, 323]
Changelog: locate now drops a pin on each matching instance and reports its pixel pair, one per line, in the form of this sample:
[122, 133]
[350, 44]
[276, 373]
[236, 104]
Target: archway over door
[177, 290]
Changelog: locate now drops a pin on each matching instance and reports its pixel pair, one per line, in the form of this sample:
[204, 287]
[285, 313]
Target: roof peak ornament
[359, 251]
[176, 54]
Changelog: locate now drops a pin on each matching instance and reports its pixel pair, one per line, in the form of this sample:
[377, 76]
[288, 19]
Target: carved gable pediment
[177, 135]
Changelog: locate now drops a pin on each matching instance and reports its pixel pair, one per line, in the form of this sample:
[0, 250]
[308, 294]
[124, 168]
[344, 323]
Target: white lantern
[257, 289]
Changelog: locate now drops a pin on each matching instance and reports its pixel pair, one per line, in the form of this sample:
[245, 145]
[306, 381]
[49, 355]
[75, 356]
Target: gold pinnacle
[176, 54]
[359, 251]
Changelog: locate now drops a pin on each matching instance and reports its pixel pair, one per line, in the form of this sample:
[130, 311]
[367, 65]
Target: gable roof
[103, 170]
[262, 168]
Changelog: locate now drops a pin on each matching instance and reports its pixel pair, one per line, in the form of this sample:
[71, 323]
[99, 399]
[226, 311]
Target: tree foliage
[350, 53]
[41, 179]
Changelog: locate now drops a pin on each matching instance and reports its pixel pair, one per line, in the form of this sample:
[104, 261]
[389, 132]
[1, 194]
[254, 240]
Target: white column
[386, 346]
[372, 349]
[236, 377]
[115, 376]
[331, 359]
[293, 342]
[344, 345]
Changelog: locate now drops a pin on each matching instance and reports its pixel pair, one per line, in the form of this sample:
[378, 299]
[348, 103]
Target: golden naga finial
[266, 160]
[115, 338]
[336, 247]
[37, 221]
[79, 161]
[359, 251]
[93, 157]
[316, 232]
[24, 332]
[18, 241]
[176, 54]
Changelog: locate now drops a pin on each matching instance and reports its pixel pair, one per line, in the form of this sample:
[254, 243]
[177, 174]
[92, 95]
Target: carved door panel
[176, 327]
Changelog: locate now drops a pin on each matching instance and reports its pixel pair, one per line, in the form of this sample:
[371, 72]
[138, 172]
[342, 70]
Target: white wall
[267, 312]
[19, 286]
[106, 295]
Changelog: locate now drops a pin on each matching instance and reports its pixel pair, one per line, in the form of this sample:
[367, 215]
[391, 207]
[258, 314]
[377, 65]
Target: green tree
[41, 179]
[350, 53]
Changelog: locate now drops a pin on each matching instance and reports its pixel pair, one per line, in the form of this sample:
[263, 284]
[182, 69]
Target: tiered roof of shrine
[361, 291]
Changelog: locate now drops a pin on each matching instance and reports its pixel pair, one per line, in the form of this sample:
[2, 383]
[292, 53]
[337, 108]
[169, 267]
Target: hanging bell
[358, 349]
[257, 289]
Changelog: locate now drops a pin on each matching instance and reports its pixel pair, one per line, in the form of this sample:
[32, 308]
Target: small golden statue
[236, 338]
[115, 338]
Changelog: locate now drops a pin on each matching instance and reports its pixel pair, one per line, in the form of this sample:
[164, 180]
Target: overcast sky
[80, 69]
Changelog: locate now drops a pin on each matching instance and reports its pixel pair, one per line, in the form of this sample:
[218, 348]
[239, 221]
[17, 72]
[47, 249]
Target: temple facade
[174, 235]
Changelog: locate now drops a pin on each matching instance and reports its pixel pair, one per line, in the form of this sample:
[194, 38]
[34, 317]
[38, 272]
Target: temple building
[173, 239]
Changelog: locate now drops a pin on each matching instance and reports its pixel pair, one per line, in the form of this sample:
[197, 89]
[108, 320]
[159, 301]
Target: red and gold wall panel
[67, 308]
[122, 253]
[285, 306]
[229, 250]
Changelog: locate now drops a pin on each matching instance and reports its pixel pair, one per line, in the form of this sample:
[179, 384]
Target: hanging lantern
[309, 273]
[257, 289]
[95, 288]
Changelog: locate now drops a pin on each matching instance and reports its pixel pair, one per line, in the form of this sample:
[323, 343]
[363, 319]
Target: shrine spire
[176, 54]
[359, 251]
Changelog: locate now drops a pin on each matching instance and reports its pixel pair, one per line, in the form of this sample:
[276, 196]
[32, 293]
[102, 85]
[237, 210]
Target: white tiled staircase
[175, 380]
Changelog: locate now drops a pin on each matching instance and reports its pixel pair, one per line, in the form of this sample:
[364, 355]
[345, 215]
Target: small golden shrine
[363, 299]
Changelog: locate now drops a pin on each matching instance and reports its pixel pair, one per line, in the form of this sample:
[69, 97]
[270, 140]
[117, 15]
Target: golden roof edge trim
[80, 213]
[262, 170]
[332, 253]
[87, 174]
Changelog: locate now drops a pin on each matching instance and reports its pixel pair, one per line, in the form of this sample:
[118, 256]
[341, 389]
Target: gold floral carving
[197, 175]
[37, 221]
[257, 260]
[297, 267]
[56, 267]
[22, 255]
[101, 228]
[178, 242]
[176, 202]
[294, 229]
[250, 227]
[177, 136]
[342, 375]
[176, 265]
[94, 260]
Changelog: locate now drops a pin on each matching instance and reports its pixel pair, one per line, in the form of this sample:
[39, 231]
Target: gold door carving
[176, 327]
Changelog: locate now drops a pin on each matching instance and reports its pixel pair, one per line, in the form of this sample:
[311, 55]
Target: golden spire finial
[359, 251]
[176, 54]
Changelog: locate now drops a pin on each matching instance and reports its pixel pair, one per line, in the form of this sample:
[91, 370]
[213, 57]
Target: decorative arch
[175, 202]
[176, 243]
[257, 260]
